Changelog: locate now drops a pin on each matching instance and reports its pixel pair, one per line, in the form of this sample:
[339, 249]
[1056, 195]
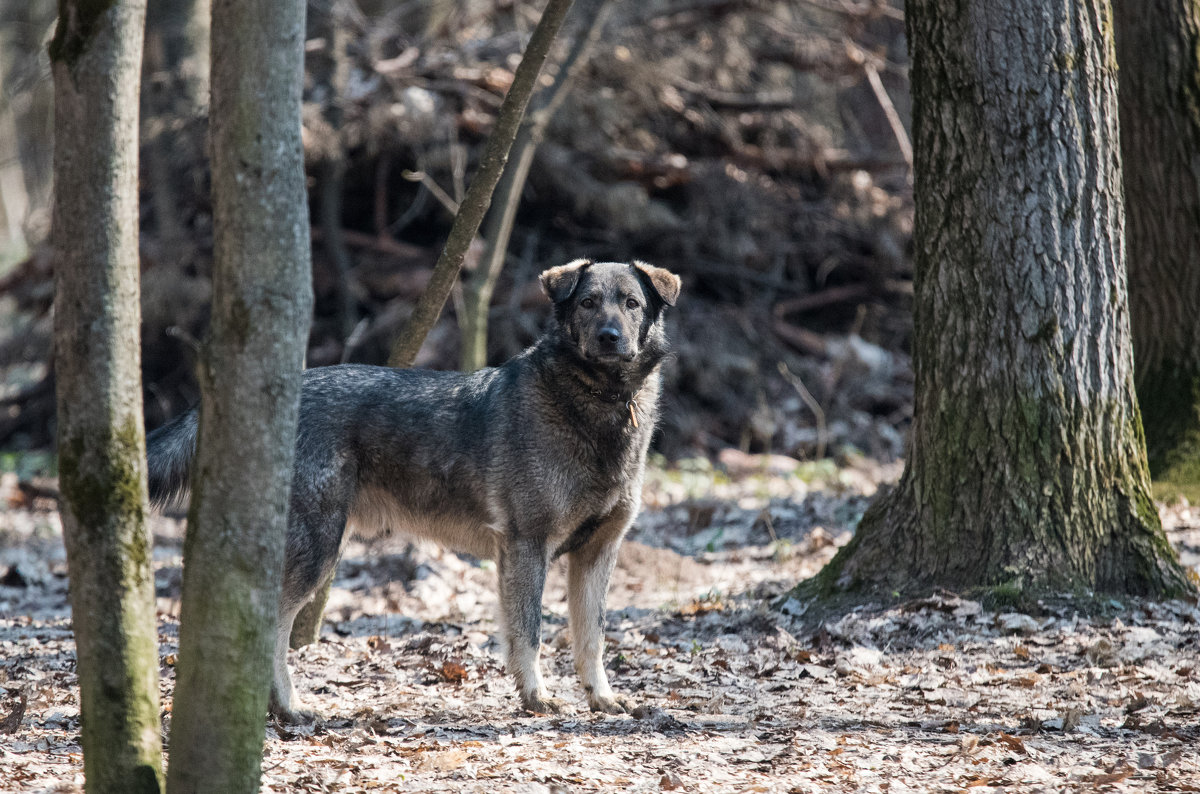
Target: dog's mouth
[612, 358]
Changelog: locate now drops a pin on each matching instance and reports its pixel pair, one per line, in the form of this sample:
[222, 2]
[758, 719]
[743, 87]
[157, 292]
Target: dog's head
[611, 312]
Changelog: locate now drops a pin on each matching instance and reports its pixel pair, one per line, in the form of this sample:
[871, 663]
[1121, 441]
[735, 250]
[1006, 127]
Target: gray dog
[540, 457]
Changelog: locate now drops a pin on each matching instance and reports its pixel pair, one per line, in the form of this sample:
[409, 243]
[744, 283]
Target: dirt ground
[941, 694]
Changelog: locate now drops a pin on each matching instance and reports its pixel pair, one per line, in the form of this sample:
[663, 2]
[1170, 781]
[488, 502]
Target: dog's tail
[169, 452]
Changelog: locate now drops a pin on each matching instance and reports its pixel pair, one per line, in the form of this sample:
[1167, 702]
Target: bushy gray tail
[169, 452]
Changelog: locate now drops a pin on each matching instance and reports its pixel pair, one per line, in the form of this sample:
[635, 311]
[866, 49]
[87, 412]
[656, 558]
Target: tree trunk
[478, 289]
[479, 194]
[1157, 47]
[96, 57]
[250, 381]
[1027, 466]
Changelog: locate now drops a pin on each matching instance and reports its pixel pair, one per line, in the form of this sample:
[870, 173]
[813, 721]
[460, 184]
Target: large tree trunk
[1157, 47]
[1027, 465]
[96, 57]
[250, 377]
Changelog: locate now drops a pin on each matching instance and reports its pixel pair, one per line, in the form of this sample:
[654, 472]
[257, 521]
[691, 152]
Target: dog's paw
[294, 716]
[543, 704]
[613, 704]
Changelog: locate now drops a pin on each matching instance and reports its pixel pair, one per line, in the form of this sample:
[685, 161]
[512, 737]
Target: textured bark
[479, 194]
[497, 229]
[250, 379]
[1027, 466]
[1157, 47]
[96, 56]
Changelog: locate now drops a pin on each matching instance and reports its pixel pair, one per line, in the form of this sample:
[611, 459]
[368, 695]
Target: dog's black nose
[608, 336]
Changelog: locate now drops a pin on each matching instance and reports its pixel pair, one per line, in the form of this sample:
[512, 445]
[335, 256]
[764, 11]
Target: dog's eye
[587, 303]
[632, 303]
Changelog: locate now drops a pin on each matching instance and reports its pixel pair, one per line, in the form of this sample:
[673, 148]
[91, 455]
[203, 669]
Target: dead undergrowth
[932, 695]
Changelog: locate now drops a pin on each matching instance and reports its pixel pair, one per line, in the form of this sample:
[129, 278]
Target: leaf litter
[935, 694]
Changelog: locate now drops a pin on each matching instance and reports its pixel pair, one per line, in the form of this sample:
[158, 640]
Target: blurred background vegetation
[757, 148]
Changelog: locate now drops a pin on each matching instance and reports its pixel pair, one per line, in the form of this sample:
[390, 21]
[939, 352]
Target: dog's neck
[619, 384]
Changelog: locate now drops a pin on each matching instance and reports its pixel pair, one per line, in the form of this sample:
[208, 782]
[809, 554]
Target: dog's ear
[665, 283]
[559, 282]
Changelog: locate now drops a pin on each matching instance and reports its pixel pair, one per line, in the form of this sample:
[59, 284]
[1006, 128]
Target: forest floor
[941, 694]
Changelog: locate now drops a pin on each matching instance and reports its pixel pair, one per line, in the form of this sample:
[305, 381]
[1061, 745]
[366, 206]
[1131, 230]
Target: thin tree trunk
[1158, 47]
[498, 226]
[96, 56]
[250, 378]
[1027, 466]
[479, 194]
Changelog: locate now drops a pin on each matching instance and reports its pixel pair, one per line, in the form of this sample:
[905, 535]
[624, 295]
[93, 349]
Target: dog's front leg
[522, 568]
[588, 572]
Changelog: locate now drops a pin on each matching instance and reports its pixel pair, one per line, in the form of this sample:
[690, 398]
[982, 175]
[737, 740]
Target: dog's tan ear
[666, 283]
[559, 282]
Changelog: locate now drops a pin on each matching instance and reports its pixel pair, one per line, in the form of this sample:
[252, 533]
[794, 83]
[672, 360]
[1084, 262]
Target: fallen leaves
[937, 694]
[12, 721]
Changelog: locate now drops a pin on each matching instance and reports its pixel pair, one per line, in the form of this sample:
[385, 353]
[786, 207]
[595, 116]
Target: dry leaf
[1071, 718]
[979, 781]
[13, 721]
[453, 671]
[1013, 743]
[1112, 777]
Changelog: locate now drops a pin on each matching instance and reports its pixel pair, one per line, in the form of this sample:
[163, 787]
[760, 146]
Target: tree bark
[96, 58]
[1027, 466]
[1157, 47]
[478, 289]
[479, 194]
[250, 380]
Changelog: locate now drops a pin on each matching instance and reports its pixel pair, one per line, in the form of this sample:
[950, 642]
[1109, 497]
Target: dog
[539, 458]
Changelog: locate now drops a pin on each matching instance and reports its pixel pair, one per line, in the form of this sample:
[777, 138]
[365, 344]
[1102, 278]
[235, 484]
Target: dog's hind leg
[588, 571]
[284, 704]
[312, 554]
[522, 565]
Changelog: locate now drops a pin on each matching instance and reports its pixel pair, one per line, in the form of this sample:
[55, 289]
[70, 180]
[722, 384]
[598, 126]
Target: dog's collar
[630, 401]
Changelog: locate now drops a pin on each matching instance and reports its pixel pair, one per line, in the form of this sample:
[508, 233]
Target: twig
[384, 244]
[434, 189]
[479, 194]
[885, 102]
[889, 110]
[498, 226]
[813, 405]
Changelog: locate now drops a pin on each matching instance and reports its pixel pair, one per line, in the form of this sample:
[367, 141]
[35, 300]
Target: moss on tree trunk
[250, 379]
[1158, 46]
[96, 60]
[1026, 466]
